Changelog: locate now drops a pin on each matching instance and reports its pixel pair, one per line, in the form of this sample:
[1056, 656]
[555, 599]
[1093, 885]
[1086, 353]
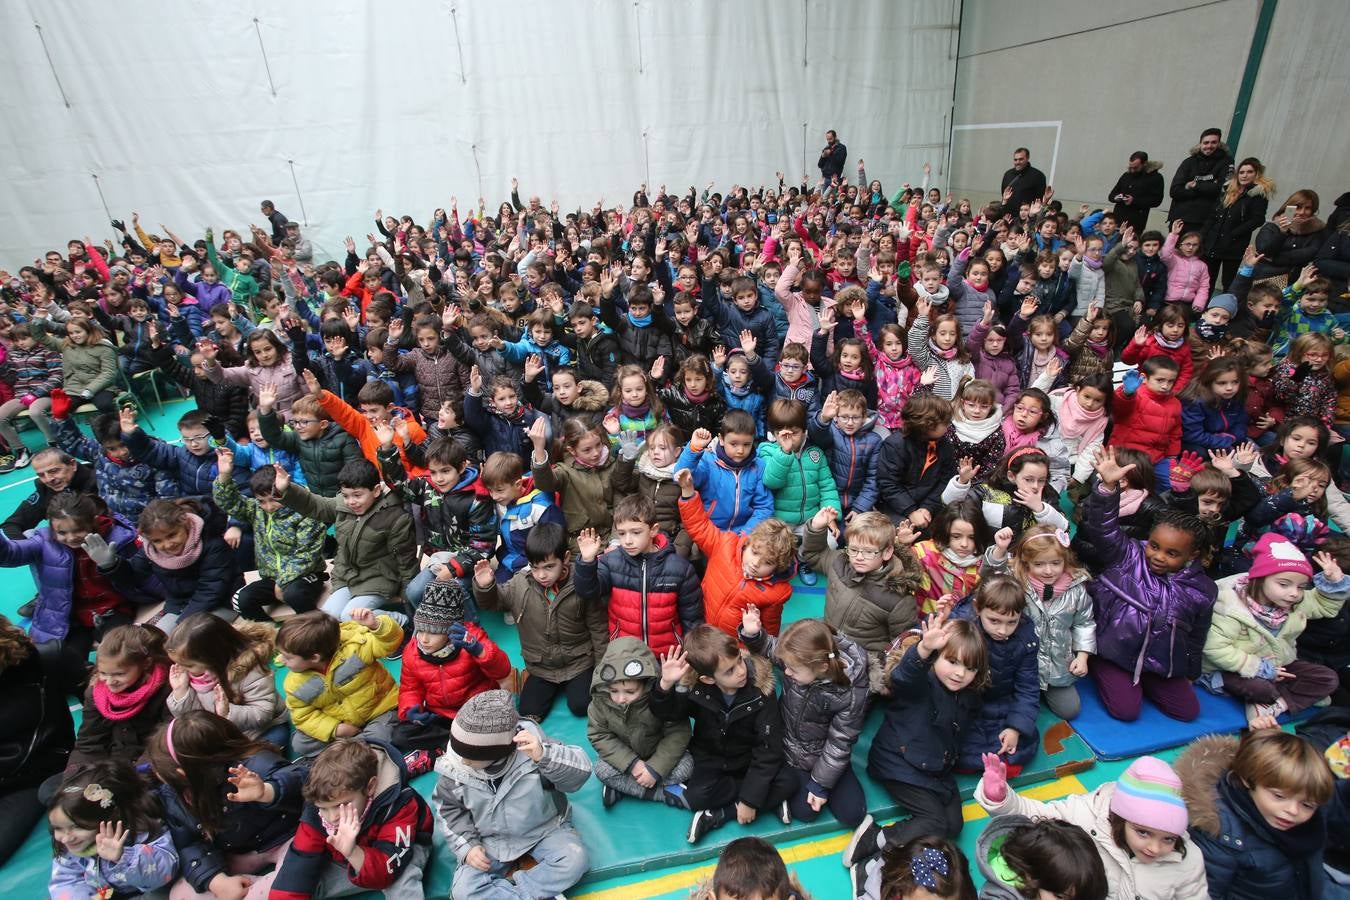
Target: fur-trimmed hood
[1200, 767]
[592, 397]
[1223, 148]
[703, 890]
[761, 669]
[1154, 165]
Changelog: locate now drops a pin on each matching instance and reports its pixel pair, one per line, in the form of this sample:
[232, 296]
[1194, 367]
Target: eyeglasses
[304, 421]
[849, 418]
[196, 438]
[863, 552]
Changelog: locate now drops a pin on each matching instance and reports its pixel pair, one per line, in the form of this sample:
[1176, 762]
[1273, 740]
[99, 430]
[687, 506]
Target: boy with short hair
[192, 465]
[375, 402]
[503, 423]
[844, 431]
[1152, 271]
[730, 477]
[638, 754]
[597, 352]
[501, 796]
[640, 340]
[796, 472]
[363, 828]
[336, 686]
[320, 444]
[915, 464]
[126, 485]
[737, 742]
[1260, 310]
[520, 507]
[1305, 301]
[376, 548]
[1149, 419]
[561, 635]
[651, 592]
[743, 313]
[288, 546]
[689, 332]
[793, 381]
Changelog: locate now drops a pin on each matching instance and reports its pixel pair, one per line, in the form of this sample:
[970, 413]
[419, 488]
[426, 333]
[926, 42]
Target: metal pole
[104, 200]
[806, 30]
[647, 158]
[48, 53]
[478, 169]
[637, 19]
[295, 181]
[804, 152]
[458, 46]
[270, 83]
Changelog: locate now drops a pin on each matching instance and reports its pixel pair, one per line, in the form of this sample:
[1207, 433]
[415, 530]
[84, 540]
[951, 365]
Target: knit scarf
[645, 466]
[851, 376]
[1059, 586]
[1039, 360]
[1166, 344]
[937, 298]
[203, 682]
[697, 399]
[957, 559]
[600, 464]
[973, 432]
[119, 707]
[939, 352]
[742, 391]
[635, 412]
[1076, 422]
[1015, 438]
[1100, 347]
[1271, 618]
[732, 464]
[1130, 500]
[639, 321]
[1091, 263]
[974, 287]
[190, 553]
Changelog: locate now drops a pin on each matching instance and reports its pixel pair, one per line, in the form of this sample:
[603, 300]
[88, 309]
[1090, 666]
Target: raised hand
[178, 680]
[475, 376]
[343, 840]
[482, 573]
[719, 356]
[922, 308]
[674, 666]
[830, 408]
[1108, 470]
[534, 366]
[611, 424]
[929, 376]
[934, 633]
[965, 470]
[750, 621]
[685, 479]
[248, 785]
[1330, 568]
[395, 329]
[283, 480]
[384, 434]
[1003, 539]
[538, 434]
[658, 369]
[267, 398]
[749, 342]
[995, 778]
[1223, 461]
[588, 545]
[311, 382]
[111, 840]
[1029, 305]
[365, 617]
[1245, 454]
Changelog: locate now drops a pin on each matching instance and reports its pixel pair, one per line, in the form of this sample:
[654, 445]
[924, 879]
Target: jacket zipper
[645, 635]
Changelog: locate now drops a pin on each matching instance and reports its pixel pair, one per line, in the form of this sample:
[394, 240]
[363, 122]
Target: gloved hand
[995, 779]
[1267, 670]
[99, 551]
[28, 399]
[60, 404]
[216, 428]
[1303, 371]
[1184, 469]
[1131, 382]
[420, 715]
[629, 446]
[460, 637]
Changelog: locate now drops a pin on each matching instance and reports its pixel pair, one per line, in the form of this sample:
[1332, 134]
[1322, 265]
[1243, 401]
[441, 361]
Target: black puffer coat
[1230, 228]
[38, 732]
[1195, 204]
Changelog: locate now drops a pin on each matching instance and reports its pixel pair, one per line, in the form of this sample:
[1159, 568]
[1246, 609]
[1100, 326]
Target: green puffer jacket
[376, 551]
[286, 544]
[801, 482]
[86, 369]
[320, 459]
[622, 735]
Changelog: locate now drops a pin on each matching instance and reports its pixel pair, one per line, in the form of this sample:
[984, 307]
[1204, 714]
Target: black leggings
[537, 696]
[935, 813]
[302, 595]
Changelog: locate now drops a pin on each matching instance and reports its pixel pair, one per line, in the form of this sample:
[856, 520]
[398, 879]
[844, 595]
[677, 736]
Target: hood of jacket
[625, 659]
[761, 672]
[591, 397]
[1154, 165]
[1222, 151]
[988, 843]
[1200, 767]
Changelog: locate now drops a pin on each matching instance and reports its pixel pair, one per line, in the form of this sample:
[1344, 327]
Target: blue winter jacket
[514, 524]
[1013, 697]
[55, 563]
[731, 321]
[853, 460]
[736, 499]
[498, 432]
[1206, 427]
[127, 487]
[193, 473]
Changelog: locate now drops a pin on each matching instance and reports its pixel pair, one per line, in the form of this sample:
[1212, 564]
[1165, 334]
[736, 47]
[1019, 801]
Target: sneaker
[865, 843]
[608, 796]
[23, 460]
[673, 795]
[6, 463]
[807, 575]
[26, 611]
[704, 821]
[785, 813]
[857, 874]
[419, 762]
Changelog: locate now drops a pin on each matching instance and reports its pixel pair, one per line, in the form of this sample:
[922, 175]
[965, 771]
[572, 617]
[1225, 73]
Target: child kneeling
[500, 799]
[638, 754]
[363, 829]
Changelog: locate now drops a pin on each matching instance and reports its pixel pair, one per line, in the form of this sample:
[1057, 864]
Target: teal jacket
[801, 482]
[286, 544]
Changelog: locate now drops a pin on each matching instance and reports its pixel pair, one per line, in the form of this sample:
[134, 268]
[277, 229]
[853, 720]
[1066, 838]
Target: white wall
[1150, 75]
[170, 104]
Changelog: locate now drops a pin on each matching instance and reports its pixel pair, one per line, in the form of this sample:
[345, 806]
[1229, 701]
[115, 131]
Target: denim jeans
[561, 858]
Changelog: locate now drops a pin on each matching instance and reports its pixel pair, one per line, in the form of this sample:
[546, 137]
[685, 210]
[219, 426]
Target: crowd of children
[627, 431]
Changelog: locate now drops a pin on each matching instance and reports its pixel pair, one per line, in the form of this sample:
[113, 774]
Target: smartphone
[1289, 212]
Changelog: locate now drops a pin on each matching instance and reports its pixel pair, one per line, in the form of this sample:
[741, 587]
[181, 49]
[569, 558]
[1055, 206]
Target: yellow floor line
[664, 884]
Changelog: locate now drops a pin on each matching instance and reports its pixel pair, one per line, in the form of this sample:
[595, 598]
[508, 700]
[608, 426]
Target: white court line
[32, 479]
[1054, 155]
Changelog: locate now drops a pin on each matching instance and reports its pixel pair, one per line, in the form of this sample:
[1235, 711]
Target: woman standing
[1241, 211]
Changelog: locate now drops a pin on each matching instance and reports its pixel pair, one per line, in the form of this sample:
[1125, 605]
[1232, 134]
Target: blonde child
[126, 698]
[1058, 604]
[108, 837]
[976, 432]
[649, 471]
[823, 703]
[1251, 648]
[1303, 384]
[227, 671]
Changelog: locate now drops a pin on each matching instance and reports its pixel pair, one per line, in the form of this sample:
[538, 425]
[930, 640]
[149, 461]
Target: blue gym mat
[1111, 738]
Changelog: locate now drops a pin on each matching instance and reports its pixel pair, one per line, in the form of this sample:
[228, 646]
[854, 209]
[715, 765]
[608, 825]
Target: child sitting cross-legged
[561, 635]
[376, 548]
[364, 828]
[447, 662]
[639, 755]
[737, 744]
[501, 802]
[753, 569]
[336, 687]
[652, 593]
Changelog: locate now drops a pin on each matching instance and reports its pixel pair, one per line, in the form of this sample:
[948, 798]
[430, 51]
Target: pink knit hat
[1273, 554]
[1149, 794]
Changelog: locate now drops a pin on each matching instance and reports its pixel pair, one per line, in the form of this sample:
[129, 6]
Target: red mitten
[1184, 469]
[60, 404]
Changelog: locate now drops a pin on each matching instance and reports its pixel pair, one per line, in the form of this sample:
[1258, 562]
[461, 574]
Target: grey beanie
[442, 605]
[1227, 302]
[484, 727]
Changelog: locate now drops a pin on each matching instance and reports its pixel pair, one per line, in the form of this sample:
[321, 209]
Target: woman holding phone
[1292, 239]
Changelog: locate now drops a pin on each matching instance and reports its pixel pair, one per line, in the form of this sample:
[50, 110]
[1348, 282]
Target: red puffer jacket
[1148, 422]
[654, 597]
[445, 685]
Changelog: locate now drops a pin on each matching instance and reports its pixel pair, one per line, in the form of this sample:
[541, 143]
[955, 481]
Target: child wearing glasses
[320, 443]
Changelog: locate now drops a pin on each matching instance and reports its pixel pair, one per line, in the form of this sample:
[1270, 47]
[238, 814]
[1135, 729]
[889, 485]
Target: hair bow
[96, 793]
[927, 866]
[1059, 534]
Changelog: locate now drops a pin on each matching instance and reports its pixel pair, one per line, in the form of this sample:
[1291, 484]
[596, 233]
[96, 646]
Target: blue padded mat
[1113, 739]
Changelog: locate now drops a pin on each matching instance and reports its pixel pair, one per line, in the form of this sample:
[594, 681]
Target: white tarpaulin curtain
[192, 113]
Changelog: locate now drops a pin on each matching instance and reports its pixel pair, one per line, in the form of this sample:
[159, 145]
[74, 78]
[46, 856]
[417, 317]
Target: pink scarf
[604, 458]
[192, 550]
[1015, 439]
[1075, 422]
[117, 707]
[1060, 586]
[1130, 500]
[944, 354]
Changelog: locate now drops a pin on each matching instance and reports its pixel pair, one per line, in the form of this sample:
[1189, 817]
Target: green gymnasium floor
[638, 850]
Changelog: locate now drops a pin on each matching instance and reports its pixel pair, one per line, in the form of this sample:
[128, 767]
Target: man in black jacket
[1023, 183]
[833, 157]
[1199, 181]
[1137, 191]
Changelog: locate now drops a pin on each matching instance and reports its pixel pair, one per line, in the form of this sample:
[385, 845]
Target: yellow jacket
[356, 686]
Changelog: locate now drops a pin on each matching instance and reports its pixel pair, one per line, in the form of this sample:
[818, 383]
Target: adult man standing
[1023, 183]
[1199, 181]
[1137, 191]
[278, 220]
[832, 158]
